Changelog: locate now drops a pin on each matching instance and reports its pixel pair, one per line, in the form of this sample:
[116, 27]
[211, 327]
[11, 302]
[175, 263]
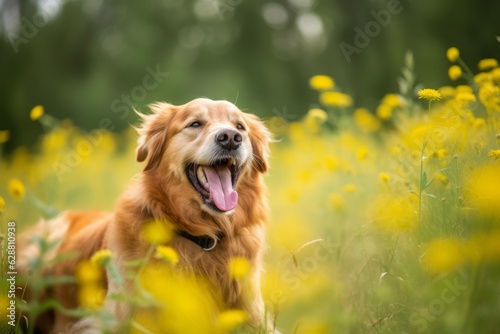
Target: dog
[204, 163]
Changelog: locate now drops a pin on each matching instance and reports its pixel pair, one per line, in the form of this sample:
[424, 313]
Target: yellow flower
[452, 54]
[479, 122]
[454, 72]
[442, 179]
[318, 115]
[167, 254]
[321, 82]
[465, 97]
[365, 120]
[464, 89]
[362, 153]
[442, 256]
[239, 267]
[429, 94]
[394, 213]
[384, 112]
[36, 112]
[488, 63]
[231, 319]
[349, 188]
[495, 154]
[384, 177]
[91, 296]
[392, 100]
[2, 205]
[16, 189]
[101, 257]
[482, 189]
[157, 232]
[447, 91]
[441, 153]
[4, 136]
[88, 272]
[335, 99]
[495, 74]
[336, 202]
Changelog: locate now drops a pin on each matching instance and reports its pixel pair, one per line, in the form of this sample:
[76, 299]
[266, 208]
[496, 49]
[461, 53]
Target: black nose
[228, 139]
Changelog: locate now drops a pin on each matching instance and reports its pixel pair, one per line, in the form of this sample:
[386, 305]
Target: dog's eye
[240, 127]
[194, 124]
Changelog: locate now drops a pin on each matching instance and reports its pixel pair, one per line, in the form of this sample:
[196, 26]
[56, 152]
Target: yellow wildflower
[101, 257]
[16, 189]
[442, 256]
[495, 154]
[239, 267]
[429, 94]
[447, 91]
[167, 254]
[488, 63]
[442, 179]
[349, 188]
[2, 205]
[318, 115]
[88, 272]
[392, 100]
[465, 97]
[362, 153]
[452, 54]
[157, 232]
[495, 74]
[36, 112]
[384, 177]
[91, 296]
[365, 120]
[384, 112]
[482, 78]
[482, 189]
[321, 82]
[337, 202]
[231, 319]
[464, 89]
[185, 302]
[441, 153]
[4, 136]
[394, 213]
[454, 72]
[335, 99]
[479, 122]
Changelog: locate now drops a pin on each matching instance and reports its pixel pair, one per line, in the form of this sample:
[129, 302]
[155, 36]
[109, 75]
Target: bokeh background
[385, 203]
[77, 57]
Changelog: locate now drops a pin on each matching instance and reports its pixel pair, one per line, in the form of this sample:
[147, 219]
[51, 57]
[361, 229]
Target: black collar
[206, 242]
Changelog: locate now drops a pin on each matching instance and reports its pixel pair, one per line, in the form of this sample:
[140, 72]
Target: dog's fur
[163, 192]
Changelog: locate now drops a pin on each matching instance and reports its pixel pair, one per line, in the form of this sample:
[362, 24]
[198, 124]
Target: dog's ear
[153, 134]
[260, 138]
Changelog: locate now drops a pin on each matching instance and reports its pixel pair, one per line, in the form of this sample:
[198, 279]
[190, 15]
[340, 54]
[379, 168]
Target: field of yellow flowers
[383, 221]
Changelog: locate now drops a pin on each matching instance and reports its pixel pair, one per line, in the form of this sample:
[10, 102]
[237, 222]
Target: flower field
[383, 221]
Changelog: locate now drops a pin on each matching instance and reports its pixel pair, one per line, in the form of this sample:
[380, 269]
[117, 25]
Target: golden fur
[163, 192]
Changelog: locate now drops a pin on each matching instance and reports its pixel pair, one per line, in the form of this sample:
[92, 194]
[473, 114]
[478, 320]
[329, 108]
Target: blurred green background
[81, 59]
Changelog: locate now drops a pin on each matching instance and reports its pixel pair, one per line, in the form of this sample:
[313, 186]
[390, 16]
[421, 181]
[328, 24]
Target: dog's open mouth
[215, 183]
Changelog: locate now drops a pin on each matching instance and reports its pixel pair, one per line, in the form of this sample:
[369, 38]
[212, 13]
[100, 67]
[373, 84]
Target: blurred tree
[90, 60]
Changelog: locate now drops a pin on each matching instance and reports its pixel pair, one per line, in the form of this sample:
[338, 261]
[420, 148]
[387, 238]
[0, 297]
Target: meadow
[383, 221]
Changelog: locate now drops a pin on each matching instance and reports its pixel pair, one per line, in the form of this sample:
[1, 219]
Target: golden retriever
[203, 171]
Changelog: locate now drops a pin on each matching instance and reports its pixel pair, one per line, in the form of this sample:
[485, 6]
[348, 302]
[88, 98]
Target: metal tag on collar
[208, 248]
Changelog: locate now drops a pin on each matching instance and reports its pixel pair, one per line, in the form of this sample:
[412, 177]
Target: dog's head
[203, 148]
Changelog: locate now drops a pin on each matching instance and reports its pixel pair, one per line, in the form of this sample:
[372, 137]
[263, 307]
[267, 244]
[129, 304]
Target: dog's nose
[228, 139]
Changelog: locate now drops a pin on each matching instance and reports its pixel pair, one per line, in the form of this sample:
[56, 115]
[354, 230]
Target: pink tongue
[221, 189]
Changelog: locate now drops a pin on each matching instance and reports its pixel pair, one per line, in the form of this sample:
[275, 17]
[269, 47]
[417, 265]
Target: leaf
[430, 195]
[382, 276]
